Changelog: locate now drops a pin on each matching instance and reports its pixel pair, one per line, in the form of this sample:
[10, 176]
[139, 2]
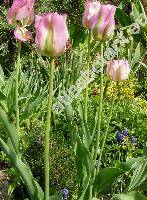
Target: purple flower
[126, 133]
[133, 140]
[120, 137]
[65, 193]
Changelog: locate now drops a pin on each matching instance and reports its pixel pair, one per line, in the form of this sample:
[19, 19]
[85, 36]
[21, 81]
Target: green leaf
[3, 101]
[105, 178]
[34, 189]
[135, 13]
[122, 4]
[122, 17]
[12, 132]
[69, 112]
[2, 77]
[30, 107]
[139, 175]
[56, 196]
[136, 56]
[130, 196]
[84, 129]
[85, 186]
[131, 164]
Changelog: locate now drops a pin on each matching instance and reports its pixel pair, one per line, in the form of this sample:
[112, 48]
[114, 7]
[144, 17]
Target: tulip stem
[100, 104]
[17, 86]
[87, 69]
[47, 131]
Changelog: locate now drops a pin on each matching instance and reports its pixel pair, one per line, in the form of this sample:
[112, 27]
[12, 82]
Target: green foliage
[130, 196]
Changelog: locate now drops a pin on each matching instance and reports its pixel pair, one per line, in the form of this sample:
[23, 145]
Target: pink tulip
[118, 70]
[22, 34]
[21, 12]
[51, 34]
[103, 29]
[90, 15]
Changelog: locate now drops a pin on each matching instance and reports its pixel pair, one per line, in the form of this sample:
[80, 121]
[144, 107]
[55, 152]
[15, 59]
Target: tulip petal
[51, 34]
[59, 39]
[20, 10]
[91, 12]
[22, 34]
[118, 70]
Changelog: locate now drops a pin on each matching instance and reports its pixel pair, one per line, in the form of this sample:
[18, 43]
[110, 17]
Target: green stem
[130, 50]
[105, 134]
[100, 105]
[17, 86]
[87, 69]
[47, 131]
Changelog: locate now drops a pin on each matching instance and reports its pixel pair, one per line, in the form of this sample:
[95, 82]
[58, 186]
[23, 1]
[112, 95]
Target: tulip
[103, 29]
[51, 34]
[21, 13]
[118, 70]
[90, 15]
[22, 34]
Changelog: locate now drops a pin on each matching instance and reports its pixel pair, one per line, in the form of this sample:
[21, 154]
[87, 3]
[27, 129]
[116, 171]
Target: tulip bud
[22, 34]
[90, 15]
[21, 13]
[103, 29]
[51, 34]
[118, 70]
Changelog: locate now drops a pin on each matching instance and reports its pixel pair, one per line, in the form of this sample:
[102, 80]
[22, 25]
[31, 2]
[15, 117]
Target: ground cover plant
[73, 100]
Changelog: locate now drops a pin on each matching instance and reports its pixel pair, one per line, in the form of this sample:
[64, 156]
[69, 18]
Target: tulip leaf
[84, 129]
[12, 132]
[130, 196]
[69, 112]
[85, 186]
[122, 17]
[2, 77]
[105, 178]
[122, 4]
[136, 56]
[139, 175]
[56, 196]
[34, 189]
[131, 164]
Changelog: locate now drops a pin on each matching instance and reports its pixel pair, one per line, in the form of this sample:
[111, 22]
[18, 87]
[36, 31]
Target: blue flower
[133, 140]
[126, 133]
[120, 137]
[65, 193]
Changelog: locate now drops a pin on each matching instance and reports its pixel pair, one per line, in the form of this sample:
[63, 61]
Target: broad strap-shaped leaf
[136, 55]
[130, 196]
[2, 77]
[12, 132]
[139, 175]
[84, 129]
[3, 101]
[122, 4]
[122, 17]
[69, 112]
[34, 189]
[105, 178]
[56, 196]
[131, 164]
[85, 186]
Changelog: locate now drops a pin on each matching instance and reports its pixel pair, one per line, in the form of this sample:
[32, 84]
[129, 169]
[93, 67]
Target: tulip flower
[51, 34]
[118, 70]
[90, 15]
[103, 29]
[21, 13]
[22, 34]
